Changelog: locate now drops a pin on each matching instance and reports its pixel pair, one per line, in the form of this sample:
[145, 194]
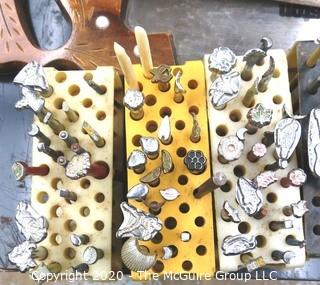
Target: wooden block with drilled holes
[91, 213]
[185, 213]
[226, 122]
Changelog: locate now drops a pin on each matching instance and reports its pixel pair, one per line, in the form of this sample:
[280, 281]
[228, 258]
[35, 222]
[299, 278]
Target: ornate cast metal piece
[314, 142]
[233, 213]
[21, 256]
[78, 166]
[238, 244]
[138, 192]
[265, 179]
[222, 59]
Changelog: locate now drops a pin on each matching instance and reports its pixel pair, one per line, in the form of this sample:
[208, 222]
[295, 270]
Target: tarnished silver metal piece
[296, 177]
[137, 223]
[69, 140]
[95, 86]
[285, 256]
[195, 161]
[257, 151]
[314, 142]
[238, 244]
[241, 134]
[70, 113]
[30, 223]
[299, 208]
[34, 131]
[137, 161]
[225, 88]
[178, 88]
[314, 85]
[266, 77]
[222, 59]
[93, 134]
[164, 132]
[78, 240]
[91, 255]
[167, 163]
[135, 258]
[266, 43]
[167, 253]
[30, 100]
[255, 264]
[169, 194]
[138, 192]
[54, 124]
[258, 117]
[230, 148]
[248, 196]
[251, 57]
[218, 180]
[277, 225]
[248, 99]
[152, 178]
[54, 154]
[150, 147]
[21, 256]
[134, 101]
[78, 166]
[185, 236]
[265, 179]
[291, 240]
[68, 195]
[196, 129]
[231, 212]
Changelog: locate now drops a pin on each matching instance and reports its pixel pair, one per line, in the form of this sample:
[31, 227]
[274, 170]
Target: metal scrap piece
[78, 166]
[265, 179]
[314, 142]
[21, 256]
[238, 244]
[170, 194]
[167, 163]
[222, 59]
[232, 212]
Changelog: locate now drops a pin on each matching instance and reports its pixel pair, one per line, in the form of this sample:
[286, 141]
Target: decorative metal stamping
[21, 256]
[299, 208]
[150, 146]
[238, 244]
[169, 194]
[30, 100]
[230, 148]
[258, 117]
[195, 161]
[196, 129]
[137, 223]
[162, 73]
[314, 142]
[231, 212]
[266, 77]
[222, 59]
[138, 192]
[265, 179]
[78, 166]
[167, 163]
[137, 161]
[296, 177]
[178, 88]
[251, 57]
[257, 151]
[152, 178]
[164, 132]
[224, 89]
[134, 101]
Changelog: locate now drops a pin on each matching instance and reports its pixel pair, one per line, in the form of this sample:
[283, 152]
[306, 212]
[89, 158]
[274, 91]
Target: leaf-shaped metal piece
[259, 116]
[238, 244]
[314, 142]
[164, 132]
[170, 194]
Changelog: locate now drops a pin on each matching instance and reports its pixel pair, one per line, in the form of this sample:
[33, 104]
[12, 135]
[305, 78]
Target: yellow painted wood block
[185, 213]
[226, 122]
[92, 212]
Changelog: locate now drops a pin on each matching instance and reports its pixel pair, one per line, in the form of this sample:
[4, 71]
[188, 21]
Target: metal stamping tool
[258, 117]
[138, 192]
[291, 240]
[155, 207]
[71, 114]
[315, 55]
[77, 148]
[222, 59]
[230, 148]
[296, 209]
[136, 258]
[69, 140]
[20, 170]
[137, 161]
[152, 178]
[62, 161]
[54, 154]
[285, 256]
[39, 253]
[81, 268]
[238, 244]
[196, 129]
[54, 124]
[229, 213]
[268, 138]
[21, 256]
[185, 236]
[178, 88]
[248, 99]
[314, 85]
[162, 75]
[255, 264]
[95, 137]
[223, 89]
[266, 77]
[261, 213]
[248, 196]
[264, 179]
[150, 147]
[134, 101]
[167, 253]
[167, 163]
[30, 223]
[68, 195]
[78, 240]
[169, 194]
[257, 151]
[266, 43]
[95, 86]
[164, 132]
[34, 131]
[195, 161]
[251, 57]
[278, 225]
[219, 179]
[314, 142]
[137, 223]
[296, 177]
[91, 255]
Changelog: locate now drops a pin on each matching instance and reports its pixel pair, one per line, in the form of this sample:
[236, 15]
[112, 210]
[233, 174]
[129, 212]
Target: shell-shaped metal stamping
[196, 129]
[164, 132]
[150, 146]
[287, 134]
[299, 208]
[137, 161]
[314, 142]
[195, 161]
[91, 255]
[30, 100]
[178, 88]
[138, 192]
[93, 134]
[135, 258]
[152, 178]
[264, 179]
[231, 212]
[266, 77]
[30, 223]
[134, 101]
[78, 240]
[21, 256]
[34, 131]
[238, 244]
[285, 256]
[230, 148]
[169, 194]
[266, 43]
[225, 88]
[251, 57]
[78, 166]
[258, 117]
[248, 196]
[167, 163]
[137, 223]
[222, 59]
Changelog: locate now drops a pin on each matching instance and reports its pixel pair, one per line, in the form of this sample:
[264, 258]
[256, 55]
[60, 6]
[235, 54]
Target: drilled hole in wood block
[158, 267]
[165, 111]
[181, 152]
[136, 140]
[99, 225]
[244, 227]
[70, 225]
[261, 241]
[187, 265]
[157, 238]
[182, 179]
[226, 187]
[277, 100]
[74, 90]
[150, 100]
[106, 169]
[201, 250]
[43, 197]
[239, 171]
[87, 103]
[85, 183]
[55, 239]
[272, 197]
[58, 103]
[170, 223]
[180, 125]
[69, 253]
[194, 110]
[101, 115]
[140, 86]
[85, 211]
[88, 76]
[245, 257]
[199, 221]
[316, 201]
[151, 126]
[56, 211]
[276, 73]
[61, 77]
[99, 197]
[192, 84]
[222, 130]
[184, 208]
[54, 182]
[235, 115]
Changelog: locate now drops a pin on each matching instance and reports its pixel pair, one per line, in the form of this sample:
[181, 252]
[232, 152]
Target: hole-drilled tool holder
[226, 122]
